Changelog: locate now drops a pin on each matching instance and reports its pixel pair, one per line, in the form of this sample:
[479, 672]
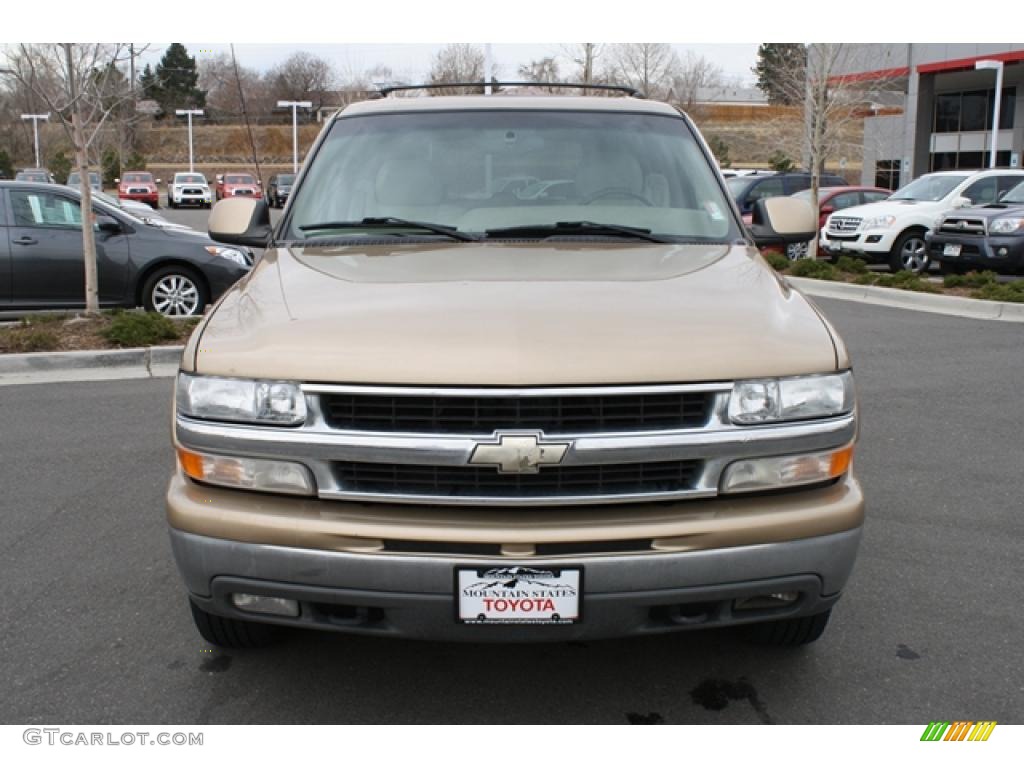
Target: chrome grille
[843, 224]
[138, 191]
[242, 192]
[961, 225]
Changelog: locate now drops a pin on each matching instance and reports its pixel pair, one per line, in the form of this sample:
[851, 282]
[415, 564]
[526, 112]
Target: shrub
[851, 265]
[980, 279]
[139, 329]
[906, 281]
[777, 261]
[60, 167]
[780, 162]
[111, 165]
[34, 340]
[1001, 292]
[867, 278]
[820, 270]
[954, 281]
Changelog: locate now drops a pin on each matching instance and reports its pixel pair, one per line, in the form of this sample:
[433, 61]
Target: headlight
[243, 400]
[764, 401]
[1007, 226]
[878, 222]
[231, 254]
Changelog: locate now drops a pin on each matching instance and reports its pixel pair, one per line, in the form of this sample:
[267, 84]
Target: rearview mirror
[783, 220]
[238, 221]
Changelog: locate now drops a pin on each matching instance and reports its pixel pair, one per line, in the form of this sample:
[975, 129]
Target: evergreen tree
[779, 63]
[174, 82]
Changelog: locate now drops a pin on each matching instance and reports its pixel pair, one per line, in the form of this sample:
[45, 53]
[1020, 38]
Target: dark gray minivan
[172, 271]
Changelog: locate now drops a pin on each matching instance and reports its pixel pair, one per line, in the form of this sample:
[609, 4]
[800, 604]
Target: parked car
[893, 231]
[172, 271]
[189, 189]
[40, 175]
[95, 182]
[525, 418]
[748, 189]
[832, 199]
[238, 184]
[987, 237]
[140, 186]
[278, 189]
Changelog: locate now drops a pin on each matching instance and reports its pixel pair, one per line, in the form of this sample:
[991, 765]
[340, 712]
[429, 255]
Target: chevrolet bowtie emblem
[518, 454]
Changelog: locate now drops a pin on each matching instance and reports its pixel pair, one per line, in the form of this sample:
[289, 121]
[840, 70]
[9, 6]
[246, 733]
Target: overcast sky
[411, 61]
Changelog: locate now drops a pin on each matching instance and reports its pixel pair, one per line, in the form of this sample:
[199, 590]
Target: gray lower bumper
[412, 596]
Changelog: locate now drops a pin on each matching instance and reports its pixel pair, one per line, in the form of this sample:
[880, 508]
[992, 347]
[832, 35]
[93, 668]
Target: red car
[238, 185]
[139, 185]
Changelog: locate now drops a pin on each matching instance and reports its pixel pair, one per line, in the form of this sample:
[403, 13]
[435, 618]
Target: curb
[39, 367]
[957, 306]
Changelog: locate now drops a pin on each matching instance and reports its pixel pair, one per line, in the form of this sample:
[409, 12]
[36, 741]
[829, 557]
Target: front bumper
[343, 586]
[150, 198]
[873, 245]
[1002, 254]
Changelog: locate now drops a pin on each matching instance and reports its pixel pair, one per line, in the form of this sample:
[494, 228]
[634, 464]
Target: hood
[504, 314]
[893, 208]
[987, 212]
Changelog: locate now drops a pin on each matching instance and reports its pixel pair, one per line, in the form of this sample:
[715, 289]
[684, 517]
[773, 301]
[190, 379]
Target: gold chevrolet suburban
[512, 369]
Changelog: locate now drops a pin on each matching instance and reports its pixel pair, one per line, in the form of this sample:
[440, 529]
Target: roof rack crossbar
[628, 90]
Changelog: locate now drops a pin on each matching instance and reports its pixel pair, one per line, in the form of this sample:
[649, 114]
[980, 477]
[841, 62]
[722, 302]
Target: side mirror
[962, 202]
[238, 221]
[783, 220]
[108, 224]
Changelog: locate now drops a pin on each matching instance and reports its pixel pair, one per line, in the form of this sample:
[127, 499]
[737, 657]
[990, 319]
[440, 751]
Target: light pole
[998, 67]
[189, 112]
[295, 128]
[35, 130]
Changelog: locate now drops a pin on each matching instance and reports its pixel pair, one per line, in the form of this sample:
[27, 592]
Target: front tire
[788, 633]
[910, 253]
[231, 633]
[174, 291]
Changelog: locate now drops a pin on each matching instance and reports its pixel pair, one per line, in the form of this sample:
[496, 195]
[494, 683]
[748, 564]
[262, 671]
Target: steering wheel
[616, 192]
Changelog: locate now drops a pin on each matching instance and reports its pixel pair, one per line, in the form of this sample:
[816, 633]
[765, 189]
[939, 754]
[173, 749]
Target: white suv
[893, 230]
[189, 189]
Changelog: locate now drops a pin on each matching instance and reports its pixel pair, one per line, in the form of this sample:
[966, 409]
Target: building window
[972, 111]
[887, 174]
[971, 161]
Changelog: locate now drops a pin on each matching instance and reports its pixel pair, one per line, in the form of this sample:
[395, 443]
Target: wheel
[910, 252]
[231, 633]
[616, 192]
[796, 251]
[174, 291]
[788, 633]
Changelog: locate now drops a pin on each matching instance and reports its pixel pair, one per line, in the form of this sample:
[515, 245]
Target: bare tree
[648, 67]
[457, 63]
[303, 77]
[693, 73]
[583, 56]
[540, 70]
[832, 103]
[218, 78]
[82, 87]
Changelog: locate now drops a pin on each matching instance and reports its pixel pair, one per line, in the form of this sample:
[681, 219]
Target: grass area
[110, 330]
[975, 285]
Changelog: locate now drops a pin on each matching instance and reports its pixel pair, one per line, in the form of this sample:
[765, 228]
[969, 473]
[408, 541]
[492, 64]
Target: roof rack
[628, 90]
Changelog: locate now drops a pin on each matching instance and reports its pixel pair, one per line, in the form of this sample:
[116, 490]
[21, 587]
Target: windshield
[1015, 195]
[139, 178]
[239, 179]
[476, 171]
[285, 178]
[189, 178]
[738, 185]
[929, 188]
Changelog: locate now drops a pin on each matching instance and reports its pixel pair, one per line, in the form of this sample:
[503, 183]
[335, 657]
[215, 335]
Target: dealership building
[947, 110]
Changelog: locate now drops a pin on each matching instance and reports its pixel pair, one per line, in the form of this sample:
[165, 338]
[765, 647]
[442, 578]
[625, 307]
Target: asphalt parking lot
[97, 627]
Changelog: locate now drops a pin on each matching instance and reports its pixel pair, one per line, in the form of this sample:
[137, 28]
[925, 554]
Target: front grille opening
[486, 482]
[688, 613]
[551, 414]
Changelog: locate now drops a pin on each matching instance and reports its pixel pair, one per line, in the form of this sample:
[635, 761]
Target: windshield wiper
[575, 228]
[391, 222]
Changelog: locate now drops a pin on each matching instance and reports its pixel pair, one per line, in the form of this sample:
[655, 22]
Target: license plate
[518, 595]
[951, 249]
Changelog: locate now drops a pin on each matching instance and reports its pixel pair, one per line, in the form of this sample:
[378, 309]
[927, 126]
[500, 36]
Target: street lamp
[998, 67]
[189, 112]
[35, 130]
[295, 128]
